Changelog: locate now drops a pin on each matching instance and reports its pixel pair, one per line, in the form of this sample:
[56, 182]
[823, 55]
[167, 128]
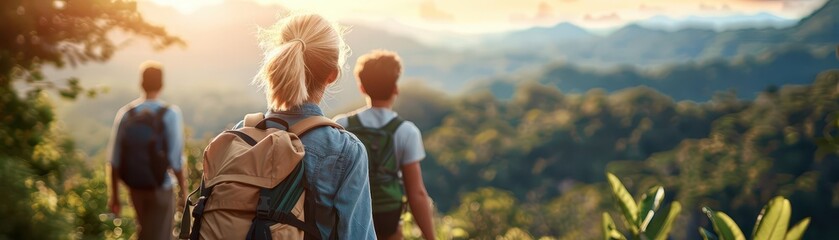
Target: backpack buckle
[262, 208]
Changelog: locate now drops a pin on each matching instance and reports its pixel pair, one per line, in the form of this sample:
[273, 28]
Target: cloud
[612, 17]
[544, 11]
[714, 8]
[790, 5]
[429, 11]
[650, 8]
[795, 5]
[544, 14]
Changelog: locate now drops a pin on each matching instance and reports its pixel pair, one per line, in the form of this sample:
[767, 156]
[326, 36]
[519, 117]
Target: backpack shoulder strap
[158, 124]
[251, 120]
[310, 123]
[162, 110]
[354, 121]
[393, 125]
[132, 111]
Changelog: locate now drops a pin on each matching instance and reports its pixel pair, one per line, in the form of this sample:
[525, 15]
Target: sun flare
[187, 6]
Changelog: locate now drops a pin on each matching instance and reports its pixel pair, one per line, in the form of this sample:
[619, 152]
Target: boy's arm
[418, 198]
[179, 175]
[113, 201]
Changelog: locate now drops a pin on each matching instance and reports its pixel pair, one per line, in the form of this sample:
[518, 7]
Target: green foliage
[772, 223]
[663, 222]
[724, 226]
[797, 231]
[60, 32]
[550, 149]
[488, 212]
[626, 203]
[50, 191]
[644, 220]
[707, 235]
[610, 231]
[773, 219]
[485, 141]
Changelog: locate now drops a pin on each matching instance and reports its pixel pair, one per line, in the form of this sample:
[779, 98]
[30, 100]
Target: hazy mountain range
[226, 51]
[222, 57]
[758, 20]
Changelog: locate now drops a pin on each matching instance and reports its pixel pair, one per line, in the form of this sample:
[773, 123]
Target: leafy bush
[646, 219]
[771, 224]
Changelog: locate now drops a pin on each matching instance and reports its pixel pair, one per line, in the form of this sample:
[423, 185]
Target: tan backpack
[253, 185]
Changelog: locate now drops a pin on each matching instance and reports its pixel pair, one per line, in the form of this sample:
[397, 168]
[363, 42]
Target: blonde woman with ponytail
[304, 55]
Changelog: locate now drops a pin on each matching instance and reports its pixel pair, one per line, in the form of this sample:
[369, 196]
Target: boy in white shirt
[394, 148]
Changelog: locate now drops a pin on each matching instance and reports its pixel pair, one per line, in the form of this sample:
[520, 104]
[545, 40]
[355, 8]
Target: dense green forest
[547, 152]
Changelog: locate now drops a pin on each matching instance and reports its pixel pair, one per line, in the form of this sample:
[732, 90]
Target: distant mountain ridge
[747, 76]
[643, 45]
[758, 20]
[538, 36]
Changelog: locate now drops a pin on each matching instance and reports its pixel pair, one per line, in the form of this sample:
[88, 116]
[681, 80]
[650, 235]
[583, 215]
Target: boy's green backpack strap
[394, 124]
[354, 122]
[254, 118]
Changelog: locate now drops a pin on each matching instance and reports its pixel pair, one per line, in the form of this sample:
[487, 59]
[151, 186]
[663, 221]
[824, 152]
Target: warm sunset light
[494, 16]
[419, 119]
[476, 16]
[186, 6]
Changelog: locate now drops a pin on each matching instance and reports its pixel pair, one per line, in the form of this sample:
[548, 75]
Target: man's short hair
[378, 71]
[152, 73]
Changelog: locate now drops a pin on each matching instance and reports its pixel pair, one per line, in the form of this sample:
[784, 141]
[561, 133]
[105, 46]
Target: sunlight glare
[187, 6]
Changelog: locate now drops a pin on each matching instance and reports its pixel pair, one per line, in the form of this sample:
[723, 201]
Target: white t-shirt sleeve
[173, 119]
[410, 138]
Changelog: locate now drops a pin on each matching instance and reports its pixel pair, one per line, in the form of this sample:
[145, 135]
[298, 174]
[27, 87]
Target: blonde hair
[301, 51]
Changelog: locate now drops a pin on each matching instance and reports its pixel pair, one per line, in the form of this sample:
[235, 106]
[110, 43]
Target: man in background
[146, 150]
[394, 148]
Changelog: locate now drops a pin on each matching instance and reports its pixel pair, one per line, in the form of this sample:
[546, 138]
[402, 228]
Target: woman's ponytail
[284, 76]
[301, 53]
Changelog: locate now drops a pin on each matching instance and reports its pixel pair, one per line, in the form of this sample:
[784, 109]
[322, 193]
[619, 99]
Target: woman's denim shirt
[336, 165]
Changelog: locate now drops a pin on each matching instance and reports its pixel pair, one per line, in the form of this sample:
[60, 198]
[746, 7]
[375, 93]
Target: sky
[483, 16]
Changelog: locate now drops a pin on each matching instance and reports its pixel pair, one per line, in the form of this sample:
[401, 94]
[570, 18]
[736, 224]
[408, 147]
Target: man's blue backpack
[143, 158]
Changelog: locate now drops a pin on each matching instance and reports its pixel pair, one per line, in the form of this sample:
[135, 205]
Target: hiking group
[290, 172]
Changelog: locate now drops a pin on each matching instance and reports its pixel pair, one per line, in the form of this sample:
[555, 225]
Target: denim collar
[306, 109]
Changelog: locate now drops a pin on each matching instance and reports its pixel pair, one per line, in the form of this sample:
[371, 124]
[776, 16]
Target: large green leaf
[610, 231]
[796, 232]
[726, 228]
[733, 231]
[625, 201]
[773, 220]
[662, 222]
[707, 235]
[650, 202]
